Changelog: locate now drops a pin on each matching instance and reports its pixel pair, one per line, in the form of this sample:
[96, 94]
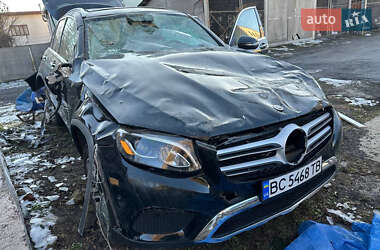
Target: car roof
[58, 8]
[99, 12]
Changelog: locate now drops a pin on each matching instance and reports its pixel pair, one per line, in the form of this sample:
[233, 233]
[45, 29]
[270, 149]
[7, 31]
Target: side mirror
[44, 15]
[247, 42]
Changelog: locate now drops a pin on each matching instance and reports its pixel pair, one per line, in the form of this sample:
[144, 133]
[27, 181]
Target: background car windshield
[145, 32]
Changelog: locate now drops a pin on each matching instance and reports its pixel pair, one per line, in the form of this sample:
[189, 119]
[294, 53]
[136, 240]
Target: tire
[102, 207]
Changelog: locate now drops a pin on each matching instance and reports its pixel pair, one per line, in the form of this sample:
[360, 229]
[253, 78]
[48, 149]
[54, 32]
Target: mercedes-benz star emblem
[278, 108]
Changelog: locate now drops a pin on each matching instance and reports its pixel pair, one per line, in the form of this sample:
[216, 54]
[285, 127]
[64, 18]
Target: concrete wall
[38, 29]
[283, 19]
[192, 7]
[20, 62]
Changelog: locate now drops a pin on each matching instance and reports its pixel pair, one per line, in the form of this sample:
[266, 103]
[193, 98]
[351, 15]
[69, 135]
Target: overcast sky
[33, 5]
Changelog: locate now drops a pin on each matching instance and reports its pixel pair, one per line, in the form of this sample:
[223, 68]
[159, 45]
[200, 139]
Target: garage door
[283, 20]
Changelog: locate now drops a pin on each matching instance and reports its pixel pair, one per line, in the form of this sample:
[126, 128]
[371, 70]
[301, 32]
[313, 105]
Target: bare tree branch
[6, 21]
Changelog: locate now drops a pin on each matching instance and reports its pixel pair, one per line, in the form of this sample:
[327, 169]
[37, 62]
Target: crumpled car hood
[201, 94]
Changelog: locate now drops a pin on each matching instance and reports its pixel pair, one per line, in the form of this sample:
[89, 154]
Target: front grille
[268, 156]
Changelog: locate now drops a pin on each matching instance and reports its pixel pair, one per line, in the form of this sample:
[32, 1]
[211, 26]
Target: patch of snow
[52, 179]
[12, 160]
[63, 189]
[8, 114]
[350, 218]
[59, 185]
[28, 181]
[358, 101]
[283, 54]
[37, 124]
[335, 82]
[40, 231]
[64, 160]
[13, 84]
[282, 49]
[344, 205]
[52, 197]
[21, 164]
[330, 220]
[6, 149]
[327, 185]
[46, 164]
[306, 42]
[70, 202]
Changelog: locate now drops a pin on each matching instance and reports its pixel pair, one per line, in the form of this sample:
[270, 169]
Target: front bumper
[151, 208]
[249, 205]
[194, 202]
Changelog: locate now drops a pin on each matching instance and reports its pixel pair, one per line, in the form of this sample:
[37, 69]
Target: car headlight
[159, 151]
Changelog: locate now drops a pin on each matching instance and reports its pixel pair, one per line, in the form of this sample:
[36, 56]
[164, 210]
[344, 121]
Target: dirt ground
[354, 191]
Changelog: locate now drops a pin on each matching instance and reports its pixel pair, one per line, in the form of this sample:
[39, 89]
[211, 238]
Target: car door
[49, 56]
[66, 55]
[249, 24]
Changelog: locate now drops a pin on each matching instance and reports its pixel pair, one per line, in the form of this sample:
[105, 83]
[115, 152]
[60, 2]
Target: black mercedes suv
[186, 140]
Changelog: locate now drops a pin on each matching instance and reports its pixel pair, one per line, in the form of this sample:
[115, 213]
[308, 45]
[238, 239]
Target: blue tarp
[315, 236]
[26, 101]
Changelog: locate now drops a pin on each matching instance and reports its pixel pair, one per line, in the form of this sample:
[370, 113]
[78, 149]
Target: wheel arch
[81, 136]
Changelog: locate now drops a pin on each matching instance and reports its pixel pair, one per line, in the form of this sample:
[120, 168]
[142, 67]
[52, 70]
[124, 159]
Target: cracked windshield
[139, 33]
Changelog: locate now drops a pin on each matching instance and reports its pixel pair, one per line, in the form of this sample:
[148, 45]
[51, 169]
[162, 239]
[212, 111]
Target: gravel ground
[52, 212]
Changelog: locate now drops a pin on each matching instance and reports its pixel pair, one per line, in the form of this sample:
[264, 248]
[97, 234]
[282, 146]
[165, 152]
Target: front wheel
[102, 206]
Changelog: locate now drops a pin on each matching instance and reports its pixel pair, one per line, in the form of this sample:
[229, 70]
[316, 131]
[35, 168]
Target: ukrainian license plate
[291, 180]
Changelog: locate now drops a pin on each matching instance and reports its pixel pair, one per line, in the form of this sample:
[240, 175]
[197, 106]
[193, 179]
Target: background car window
[246, 25]
[57, 36]
[148, 32]
[69, 40]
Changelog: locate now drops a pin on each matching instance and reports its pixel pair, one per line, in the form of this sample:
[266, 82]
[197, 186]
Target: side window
[247, 25]
[57, 37]
[69, 40]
